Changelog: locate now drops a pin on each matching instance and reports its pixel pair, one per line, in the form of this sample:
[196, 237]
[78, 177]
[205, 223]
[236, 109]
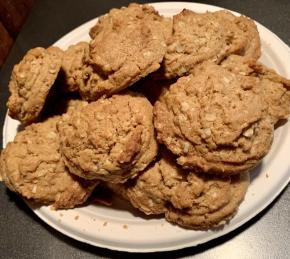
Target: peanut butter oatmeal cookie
[127, 44]
[32, 166]
[275, 88]
[214, 203]
[189, 199]
[31, 81]
[210, 36]
[110, 139]
[215, 121]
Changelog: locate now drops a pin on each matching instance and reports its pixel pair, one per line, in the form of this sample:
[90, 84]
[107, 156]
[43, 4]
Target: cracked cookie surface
[214, 204]
[215, 121]
[210, 36]
[110, 139]
[31, 81]
[127, 44]
[32, 166]
[275, 88]
[189, 199]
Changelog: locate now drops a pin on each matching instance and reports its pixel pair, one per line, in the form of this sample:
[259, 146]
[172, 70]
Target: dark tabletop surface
[23, 235]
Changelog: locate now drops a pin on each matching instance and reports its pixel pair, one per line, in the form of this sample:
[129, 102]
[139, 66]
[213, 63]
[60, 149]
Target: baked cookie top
[215, 121]
[110, 139]
[250, 34]
[210, 36]
[215, 203]
[32, 166]
[275, 88]
[189, 199]
[74, 60]
[127, 44]
[31, 81]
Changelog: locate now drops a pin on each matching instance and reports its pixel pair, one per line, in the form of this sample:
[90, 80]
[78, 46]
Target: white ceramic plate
[123, 228]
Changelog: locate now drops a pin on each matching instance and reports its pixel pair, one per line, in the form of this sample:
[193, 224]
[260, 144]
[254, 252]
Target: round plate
[123, 228]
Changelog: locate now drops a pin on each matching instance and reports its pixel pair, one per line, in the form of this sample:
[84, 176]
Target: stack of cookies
[169, 113]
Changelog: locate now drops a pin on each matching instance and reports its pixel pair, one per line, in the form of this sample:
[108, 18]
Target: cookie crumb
[267, 176]
[125, 226]
[60, 214]
[105, 223]
[76, 217]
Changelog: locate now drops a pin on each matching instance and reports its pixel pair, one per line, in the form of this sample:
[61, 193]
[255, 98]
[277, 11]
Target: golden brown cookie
[127, 44]
[32, 166]
[215, 204]
[215, 121]
[31, 81]
[275, 88]
[189, 199]
[110, 139]
[210, 36]
[249, 32]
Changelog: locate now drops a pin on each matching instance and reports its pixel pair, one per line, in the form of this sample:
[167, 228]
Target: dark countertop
[24, 235]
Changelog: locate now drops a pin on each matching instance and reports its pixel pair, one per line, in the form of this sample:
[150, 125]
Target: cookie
[127, 44]
[275, 88]
[32, 166]
[74, 59]
[210, 36]
[215, 203]
[110, 139]
[31, 81]
[252, 48]
[186, 198]
[215, 121]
